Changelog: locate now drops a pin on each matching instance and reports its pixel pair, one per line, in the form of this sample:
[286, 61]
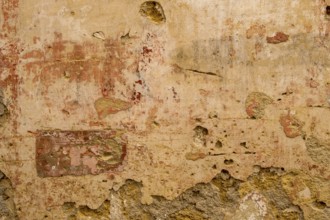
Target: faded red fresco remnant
[279, 37]
[9, 55]
[60, 153]
[256, 29]
[292, 126]
[256, 103]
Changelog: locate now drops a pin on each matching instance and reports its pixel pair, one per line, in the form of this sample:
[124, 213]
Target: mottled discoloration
[61, 153]
[292, 126]
[195, 155]
[106, 106]
[318, 150]
[256, 103]
[182, 80]
[256, 29]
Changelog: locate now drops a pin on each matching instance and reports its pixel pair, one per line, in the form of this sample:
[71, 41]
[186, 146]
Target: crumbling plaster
[226, 99]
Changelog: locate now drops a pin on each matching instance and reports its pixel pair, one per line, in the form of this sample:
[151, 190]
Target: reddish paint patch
[9, 55]
[146, 51]
[10, 14]
[136, 97]
[256, 29]
[152, 51]
[292, 127]
[137, 91]
[83, 62]
[60, 153]
[256, 103]
[251, 109]
[279, 37]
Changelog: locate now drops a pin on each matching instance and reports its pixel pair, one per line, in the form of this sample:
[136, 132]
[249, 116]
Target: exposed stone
[200, 136]
[85, 213]
[153, 11]
[315, 204]
[260, 197]
[7, 205]
[265, 188]
[318, 150]
[4, 113]
[176, 84]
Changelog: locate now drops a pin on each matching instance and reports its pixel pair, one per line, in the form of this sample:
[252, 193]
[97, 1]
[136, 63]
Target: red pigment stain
[60, 153]
[78, 61]
[292, 127]
[146, 50]
[251, 109]
[136, 95]
[9, 55]
[279, 37]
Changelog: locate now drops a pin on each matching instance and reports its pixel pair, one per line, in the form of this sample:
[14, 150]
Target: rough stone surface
[179, 109]
[7, 205]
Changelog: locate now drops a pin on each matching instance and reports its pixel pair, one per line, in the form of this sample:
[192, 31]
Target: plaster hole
[200, 133]
[327, 10]
[201, 130]
[243, 144]
[228, 162]
[320, 204]
[153, 11]
[224, 174]
[218, 144]
[196, 192]
[198, 119]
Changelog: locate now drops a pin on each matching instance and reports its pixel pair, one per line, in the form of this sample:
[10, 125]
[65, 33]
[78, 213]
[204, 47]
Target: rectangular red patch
[60, 153]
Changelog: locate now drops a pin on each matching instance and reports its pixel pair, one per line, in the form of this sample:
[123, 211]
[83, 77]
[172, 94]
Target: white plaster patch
[259, 203]
[305, 194]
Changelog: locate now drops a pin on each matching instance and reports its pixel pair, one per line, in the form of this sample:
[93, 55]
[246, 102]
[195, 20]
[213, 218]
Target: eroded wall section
[121, 109]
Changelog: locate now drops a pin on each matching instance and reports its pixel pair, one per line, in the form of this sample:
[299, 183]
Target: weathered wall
[121, 109]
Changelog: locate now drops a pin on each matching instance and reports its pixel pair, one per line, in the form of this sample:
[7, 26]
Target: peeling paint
[61, 153]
